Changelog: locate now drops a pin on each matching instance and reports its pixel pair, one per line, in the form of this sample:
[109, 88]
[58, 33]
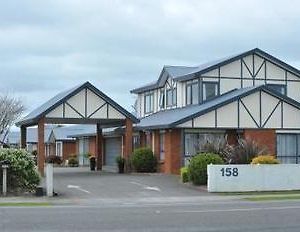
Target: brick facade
[69, 148]
[173, 150]
[264, 137]
[92, 145]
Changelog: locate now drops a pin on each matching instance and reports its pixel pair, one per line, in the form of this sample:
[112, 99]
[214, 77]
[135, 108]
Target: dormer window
[149, 103]
[171, 97]
[162, 99]
[192, 93]
[210, 90]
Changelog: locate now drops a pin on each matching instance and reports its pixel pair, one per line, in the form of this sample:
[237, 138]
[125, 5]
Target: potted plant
[92, 162]
[121, 163]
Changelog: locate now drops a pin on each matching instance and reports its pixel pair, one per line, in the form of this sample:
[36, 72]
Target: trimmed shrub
[22, 174]
[143, 160]
[198, 167]
[265, 159]
[54, 159]
[184, 174]
[73, 161]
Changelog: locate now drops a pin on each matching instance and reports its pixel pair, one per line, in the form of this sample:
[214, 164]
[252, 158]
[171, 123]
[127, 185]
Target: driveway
[81, 183]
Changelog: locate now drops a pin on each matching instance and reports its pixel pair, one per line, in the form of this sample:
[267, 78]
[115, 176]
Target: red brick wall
[92, 145]
[69, 148]
[173, 148]
[264, 137]
[156, 149]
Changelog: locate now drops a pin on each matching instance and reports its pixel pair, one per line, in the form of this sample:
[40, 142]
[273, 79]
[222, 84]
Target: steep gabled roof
[33, 117]
[184, 73]
[173, 117]
[217, 63]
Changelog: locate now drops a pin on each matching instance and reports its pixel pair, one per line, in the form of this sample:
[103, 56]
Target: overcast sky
[118, 45]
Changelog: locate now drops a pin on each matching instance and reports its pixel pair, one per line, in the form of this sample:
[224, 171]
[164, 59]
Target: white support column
[4, 183]
[49, 180]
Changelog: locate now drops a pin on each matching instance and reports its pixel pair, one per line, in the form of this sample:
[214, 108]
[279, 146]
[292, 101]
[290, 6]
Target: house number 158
[230, 171]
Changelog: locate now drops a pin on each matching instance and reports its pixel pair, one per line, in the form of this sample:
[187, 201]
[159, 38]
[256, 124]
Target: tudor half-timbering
[83, 104]
[250, 95]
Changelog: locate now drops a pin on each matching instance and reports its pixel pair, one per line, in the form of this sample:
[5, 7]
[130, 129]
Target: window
[210, 90]
[148, 103]
[288, 148]
[171, 97]
[59, 147]
[162, 99]
[47, 149]
[279, 88]
[192, 93]
[148, 139]
[29, 147]
[194, 142]
[162, 146]
[174, 96]
[136, 141]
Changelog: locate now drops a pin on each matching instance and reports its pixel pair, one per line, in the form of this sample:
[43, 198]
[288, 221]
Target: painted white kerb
[243, 178]
[49, 180]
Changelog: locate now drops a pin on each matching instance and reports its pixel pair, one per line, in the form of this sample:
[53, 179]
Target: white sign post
[49, 179]
[4, 184]
[5, 165]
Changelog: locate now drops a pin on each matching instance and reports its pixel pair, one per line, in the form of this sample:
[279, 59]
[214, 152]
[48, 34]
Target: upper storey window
[149, 100]
[162, 99]
[210, 90]
[192, 92]
[279, 88]
[171, 97]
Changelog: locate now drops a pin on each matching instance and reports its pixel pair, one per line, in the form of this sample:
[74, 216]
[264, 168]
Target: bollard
[5, 165]
[4, 184]
[49, 180]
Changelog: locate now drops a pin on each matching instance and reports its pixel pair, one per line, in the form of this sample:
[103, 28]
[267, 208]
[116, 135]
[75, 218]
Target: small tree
[10, 110]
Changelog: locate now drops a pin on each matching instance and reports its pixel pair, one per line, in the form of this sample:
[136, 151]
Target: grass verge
[261, 193]
[24, 204]
[273, 198]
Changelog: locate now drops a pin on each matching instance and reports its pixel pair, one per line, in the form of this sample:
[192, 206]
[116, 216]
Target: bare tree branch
[11, 109]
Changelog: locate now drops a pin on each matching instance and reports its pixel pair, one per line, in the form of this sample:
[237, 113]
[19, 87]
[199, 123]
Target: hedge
[22, 174]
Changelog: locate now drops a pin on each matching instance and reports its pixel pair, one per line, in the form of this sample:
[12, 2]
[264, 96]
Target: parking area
[82, 183]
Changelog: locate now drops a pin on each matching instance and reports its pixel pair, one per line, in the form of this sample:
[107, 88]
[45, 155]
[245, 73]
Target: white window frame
[29, 145]
[190, 94]
[151, 102]
[162, 99]
[57, 151]
[204, 90]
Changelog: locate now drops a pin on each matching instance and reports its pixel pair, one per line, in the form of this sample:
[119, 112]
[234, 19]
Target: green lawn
[24, 204]
[261, 193]
[273, 198]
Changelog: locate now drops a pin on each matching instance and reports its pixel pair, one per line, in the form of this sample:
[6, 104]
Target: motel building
[252, 95]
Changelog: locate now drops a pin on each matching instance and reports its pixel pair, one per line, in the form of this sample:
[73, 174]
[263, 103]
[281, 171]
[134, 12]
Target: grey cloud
[46, 47]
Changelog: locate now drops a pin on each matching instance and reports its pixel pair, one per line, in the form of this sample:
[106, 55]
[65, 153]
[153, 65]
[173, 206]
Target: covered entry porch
[83, 104]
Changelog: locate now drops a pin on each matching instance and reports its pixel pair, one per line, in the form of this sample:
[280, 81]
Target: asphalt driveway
[82, 183]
